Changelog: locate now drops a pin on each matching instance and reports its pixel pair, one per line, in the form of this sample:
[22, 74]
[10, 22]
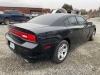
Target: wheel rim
[93, 34]
[27, 19]
[7, 22]
[62, 52]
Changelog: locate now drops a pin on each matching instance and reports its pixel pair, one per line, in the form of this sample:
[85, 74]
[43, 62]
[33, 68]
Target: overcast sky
[79, 4]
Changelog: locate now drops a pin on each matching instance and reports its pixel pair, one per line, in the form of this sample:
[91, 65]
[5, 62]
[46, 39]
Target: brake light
[29, 37]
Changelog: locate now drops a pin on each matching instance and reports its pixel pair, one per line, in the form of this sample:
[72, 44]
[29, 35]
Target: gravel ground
[84, 60]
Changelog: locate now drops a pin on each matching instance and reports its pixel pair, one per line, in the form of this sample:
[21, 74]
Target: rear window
[47, 19]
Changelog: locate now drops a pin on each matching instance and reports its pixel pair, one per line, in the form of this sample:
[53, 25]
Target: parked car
[35, 14]
[50, 35]
[1, 12]
[13, 16]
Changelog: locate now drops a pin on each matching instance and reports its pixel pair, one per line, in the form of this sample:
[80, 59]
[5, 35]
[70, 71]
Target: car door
[75, 31]
[17, 16]
[86, 28]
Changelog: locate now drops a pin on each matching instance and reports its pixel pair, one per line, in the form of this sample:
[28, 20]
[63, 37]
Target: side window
[7, 12]
[14, 12]
[66, 22]
[72, 21]
[81, 21]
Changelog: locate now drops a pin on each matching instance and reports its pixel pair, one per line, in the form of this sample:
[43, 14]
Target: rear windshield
[47, 19]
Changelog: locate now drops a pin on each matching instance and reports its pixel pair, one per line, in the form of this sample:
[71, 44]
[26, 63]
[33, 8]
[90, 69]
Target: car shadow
[14, 63]
[2, 24]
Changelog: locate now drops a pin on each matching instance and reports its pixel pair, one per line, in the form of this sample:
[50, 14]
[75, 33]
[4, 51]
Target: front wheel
[61, 52]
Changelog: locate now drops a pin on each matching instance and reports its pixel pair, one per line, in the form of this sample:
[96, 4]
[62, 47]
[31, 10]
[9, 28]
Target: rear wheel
[61, 52]
[92, 36]
[6, 21]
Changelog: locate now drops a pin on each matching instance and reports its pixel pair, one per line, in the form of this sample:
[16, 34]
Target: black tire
[27, 19]
[0, 22]
[92, 36]
[55, 58]
[6, 21]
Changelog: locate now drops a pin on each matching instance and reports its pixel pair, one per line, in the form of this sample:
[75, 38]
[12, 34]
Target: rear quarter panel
[52, 35]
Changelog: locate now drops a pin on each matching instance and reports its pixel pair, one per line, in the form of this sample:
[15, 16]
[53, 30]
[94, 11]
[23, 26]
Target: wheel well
[6, 18]
[68, 41]
[95, 29]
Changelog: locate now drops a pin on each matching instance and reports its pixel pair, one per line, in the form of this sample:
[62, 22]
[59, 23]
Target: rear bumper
[27, 50]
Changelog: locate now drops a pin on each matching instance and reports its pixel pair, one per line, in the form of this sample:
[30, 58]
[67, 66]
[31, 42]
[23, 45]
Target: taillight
[29, 37]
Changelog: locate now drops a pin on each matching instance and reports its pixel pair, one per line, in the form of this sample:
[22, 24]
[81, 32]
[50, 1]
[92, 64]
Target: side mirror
[89, 23]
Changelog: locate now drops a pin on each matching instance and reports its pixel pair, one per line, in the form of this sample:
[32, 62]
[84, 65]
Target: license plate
[12, 45]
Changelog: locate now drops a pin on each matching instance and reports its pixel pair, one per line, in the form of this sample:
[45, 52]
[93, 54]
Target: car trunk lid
[22, 32]
[30, 26]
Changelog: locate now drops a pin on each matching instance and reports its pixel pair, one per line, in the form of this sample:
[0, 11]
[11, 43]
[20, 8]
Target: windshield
[47, 19]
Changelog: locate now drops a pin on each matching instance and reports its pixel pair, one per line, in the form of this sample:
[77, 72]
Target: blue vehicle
[13, 16]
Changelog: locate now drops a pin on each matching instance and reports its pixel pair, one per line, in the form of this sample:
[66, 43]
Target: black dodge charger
[49, 35]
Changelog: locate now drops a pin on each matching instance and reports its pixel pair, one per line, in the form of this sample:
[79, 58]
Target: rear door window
[66, 22]
[72, 21]
[7, 12]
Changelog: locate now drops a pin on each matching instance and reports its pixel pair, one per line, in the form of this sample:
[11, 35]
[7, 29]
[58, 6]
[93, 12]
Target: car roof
[60, 18]
[62, 14]
[50, 19]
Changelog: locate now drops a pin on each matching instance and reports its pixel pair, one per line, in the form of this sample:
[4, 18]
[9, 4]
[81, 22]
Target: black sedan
[49, 35]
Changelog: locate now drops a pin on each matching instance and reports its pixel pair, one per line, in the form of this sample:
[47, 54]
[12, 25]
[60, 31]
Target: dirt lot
[84, 60]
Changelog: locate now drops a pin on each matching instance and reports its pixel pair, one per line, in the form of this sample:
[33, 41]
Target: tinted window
[47, 19]
[13, 12]
[66, 22]
[81, 21]
[16, 12]
[7, 12]
[72, 21]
